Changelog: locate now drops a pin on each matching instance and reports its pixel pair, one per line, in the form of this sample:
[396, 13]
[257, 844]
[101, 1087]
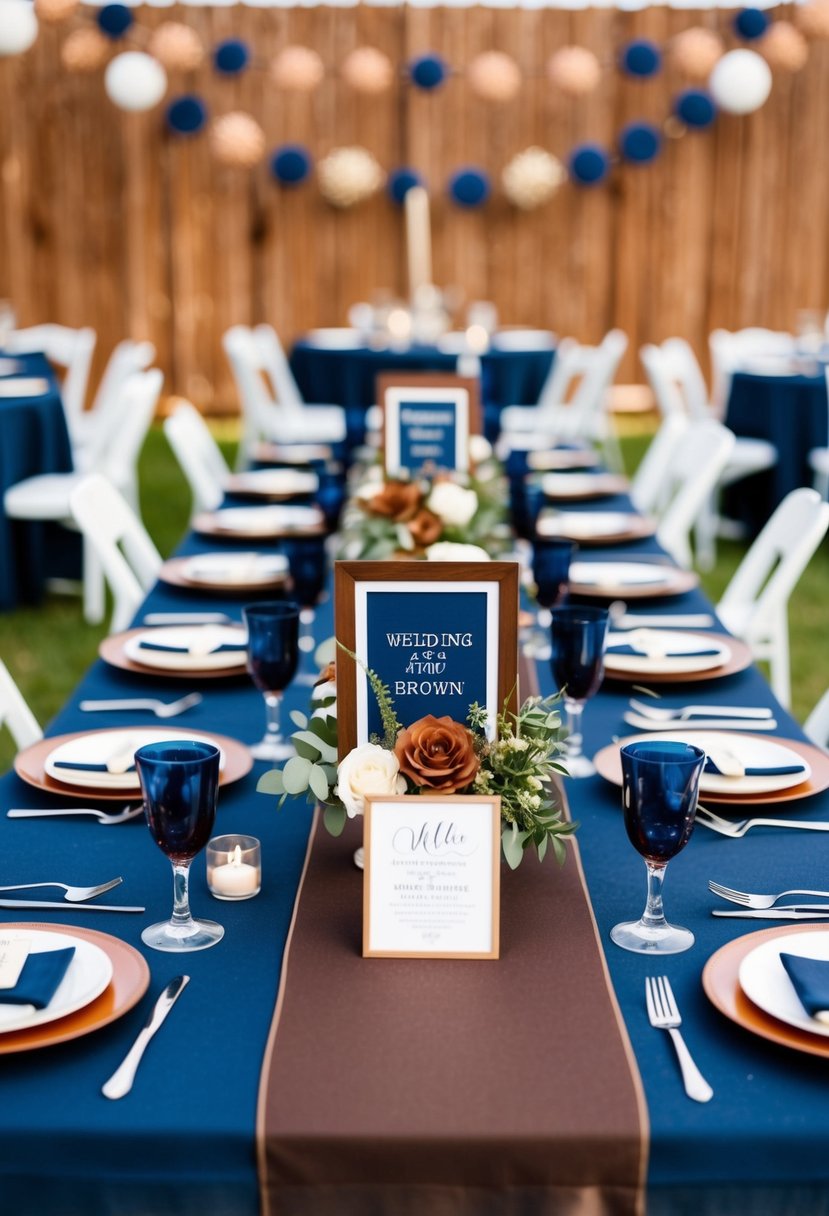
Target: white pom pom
[135, 81]
[740, 82]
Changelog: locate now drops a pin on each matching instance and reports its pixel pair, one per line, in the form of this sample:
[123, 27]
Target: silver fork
[161, 709]
[660, 714]
[747, 900]
[129, 812]
[663, 1013]
[74, 895]
[739, 827]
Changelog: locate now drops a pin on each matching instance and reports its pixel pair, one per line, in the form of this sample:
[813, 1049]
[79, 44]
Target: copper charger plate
[609, 765]
[741, 658]
[554, 459]
[678, 583]
[30, 767]
[130, 979]
[639, 528]
[172, 573]
[721, 984]
[242, 489]
[204, 525]
[111, 651]
[605, 485]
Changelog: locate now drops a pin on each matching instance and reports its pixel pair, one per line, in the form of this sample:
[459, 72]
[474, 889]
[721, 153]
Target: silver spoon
[161, 709]
[129, 812]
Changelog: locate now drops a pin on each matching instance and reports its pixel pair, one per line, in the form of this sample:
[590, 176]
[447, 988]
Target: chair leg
[780, 665]
[94, 586]
[705, 533]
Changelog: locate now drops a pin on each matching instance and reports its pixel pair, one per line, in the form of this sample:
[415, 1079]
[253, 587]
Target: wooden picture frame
[393, 392]
[481, 596]
[432, 872]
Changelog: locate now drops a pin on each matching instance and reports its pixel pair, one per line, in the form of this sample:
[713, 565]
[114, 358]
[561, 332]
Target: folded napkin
[810, 979]
[780, 770]
[39, 979]
[224, 648]
[661, 654]
[91, 768]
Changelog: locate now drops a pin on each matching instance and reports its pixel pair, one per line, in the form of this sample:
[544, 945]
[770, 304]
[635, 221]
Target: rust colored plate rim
[172, 573]
[203, 525]
[741, 658]
[607, 486]
[609, 766]
[130, 980]
[680, 582]
[111, 651]
[640, 530]
[720, 983]
[29, 765]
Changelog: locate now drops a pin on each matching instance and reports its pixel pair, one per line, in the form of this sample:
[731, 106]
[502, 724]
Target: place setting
[251, 523]
[580, 486]
[274, 485]
[663, 655]
[629, 580]
[595, 527]
[192, 651]
[227, 572]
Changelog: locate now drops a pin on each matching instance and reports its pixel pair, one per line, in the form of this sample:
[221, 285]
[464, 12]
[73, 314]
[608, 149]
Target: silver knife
[66, 907]
[792, 912]
[120, 1083]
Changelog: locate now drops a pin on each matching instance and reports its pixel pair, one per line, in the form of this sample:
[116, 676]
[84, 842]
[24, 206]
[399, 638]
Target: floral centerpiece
[423, 516]
[433, 756]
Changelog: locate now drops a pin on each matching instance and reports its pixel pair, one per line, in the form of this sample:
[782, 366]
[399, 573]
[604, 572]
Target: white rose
[368, 769]
[448, 551]
[327, 689]
[480, 449]
[452, 503]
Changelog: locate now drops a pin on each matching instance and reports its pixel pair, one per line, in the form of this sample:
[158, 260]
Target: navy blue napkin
[89, 768]
[223, 649]
[626, 648]
[39, 978]
[781, 770]
[810, 979]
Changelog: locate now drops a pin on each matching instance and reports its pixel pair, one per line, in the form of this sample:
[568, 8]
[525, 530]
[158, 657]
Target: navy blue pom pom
[640, 142]
[400, 182]
[641, 58]
[589, 164]
[114, 20]
[291, 164]
[469, 187]
[231, 56]
[428, 71]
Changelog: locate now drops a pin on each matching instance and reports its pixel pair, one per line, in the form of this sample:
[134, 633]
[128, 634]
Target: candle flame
[234, 858]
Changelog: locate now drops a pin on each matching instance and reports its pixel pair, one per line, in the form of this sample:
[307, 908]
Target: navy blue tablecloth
[183, 1141]
[792, 413]
[33, 440]
[348, 377]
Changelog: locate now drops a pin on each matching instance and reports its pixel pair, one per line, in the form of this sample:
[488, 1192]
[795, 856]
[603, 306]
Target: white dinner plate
[87, 975]
[274, 481]
[753, 753]
[765, 981]
[335, 339]
[585, 525]
[97, 748]
[523, 339]
[769, 365]
[665, 652]
[201, 642]
[24, 386]
[580, 485]
[263, 521]
[621, 574]
[235, 569]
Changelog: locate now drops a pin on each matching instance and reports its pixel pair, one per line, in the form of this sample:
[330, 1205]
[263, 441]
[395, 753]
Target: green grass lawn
[48, 648]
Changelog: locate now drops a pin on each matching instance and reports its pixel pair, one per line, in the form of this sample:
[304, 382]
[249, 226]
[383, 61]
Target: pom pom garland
[741, 82]
[532, 178]
[428, 72]
[751, 23]
[237, 140]
[574, 70]
[297, 68]
[18, 26]
[114, 20]
[291, 164]
[640, 142]
[186, 115]
[589, 164]
[784, 48]
[348, 176]
[367, 70]
[85, 50]
[494, 76]
[400, 182]
[695, 108]
[641, 58]
[695, 51]
[177, 47]
[231, 57]
[469, 187]
[135, 81]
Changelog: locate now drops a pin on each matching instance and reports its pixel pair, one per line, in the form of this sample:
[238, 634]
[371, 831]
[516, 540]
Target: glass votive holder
[234, 867]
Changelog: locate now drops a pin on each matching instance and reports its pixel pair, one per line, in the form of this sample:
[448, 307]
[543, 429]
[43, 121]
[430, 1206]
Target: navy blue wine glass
[272, 660]
[180, 783]
[660, 784]
[551, 578]
[308, 564]
[577, 638]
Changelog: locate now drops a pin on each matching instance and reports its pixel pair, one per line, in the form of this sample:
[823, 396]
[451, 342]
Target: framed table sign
[440, 635]
[427, 421]
[431, 885]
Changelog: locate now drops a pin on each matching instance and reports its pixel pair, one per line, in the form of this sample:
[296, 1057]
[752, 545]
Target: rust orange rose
[329, 672]
[425, 527]
[437, 754]
[399, 501]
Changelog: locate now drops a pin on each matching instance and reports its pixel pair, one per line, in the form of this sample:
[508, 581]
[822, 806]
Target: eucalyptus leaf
[271, 782]
[512, 842]
[303, 748]
[298, 719]
[318, 783]
[334, 818]
[311, 739]
[295, 775]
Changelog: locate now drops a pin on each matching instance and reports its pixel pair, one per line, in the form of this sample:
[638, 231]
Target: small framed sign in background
[427, 421]
[441, 635]
[431, 887]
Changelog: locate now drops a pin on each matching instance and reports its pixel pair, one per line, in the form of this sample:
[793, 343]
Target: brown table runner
[429, 1088]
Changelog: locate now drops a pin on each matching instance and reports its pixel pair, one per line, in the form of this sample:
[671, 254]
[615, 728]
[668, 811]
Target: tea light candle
[234, 867]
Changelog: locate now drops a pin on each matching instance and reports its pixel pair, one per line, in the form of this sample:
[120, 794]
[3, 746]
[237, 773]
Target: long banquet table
[524, 1085]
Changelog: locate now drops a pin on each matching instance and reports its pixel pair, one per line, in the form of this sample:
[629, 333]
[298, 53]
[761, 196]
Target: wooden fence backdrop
[108, 220]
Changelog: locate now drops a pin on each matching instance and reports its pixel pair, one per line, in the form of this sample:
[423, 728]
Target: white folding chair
[696, 465]
[754, 605]
[115, 456]
[128, 558]
[650, 485]
[731, 350]
[15, 713]
[199, 455]
[816, 725]
[127, 358]
[70, 349]
[819, 460]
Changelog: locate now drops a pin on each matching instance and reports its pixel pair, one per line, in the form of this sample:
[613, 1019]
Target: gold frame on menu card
[377, 806]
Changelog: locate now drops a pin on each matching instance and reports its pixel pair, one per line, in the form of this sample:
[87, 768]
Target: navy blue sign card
[427, 421]
[440, 635]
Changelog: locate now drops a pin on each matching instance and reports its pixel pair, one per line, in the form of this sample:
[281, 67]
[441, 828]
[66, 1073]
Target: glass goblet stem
[182, 917]
[654, 915]
[273, 702]
[575, 739]
[306, 629]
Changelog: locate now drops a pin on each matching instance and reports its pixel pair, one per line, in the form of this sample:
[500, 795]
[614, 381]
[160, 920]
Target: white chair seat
[752, 455]
[819, 460]
[312, 424]
[44, 497]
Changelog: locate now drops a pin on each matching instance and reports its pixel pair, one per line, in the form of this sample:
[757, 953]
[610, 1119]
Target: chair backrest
[274, 362]
[730, 349]
[71, 349]
[597, 366]
[816, 725]
[15, 713]
[650, 485]
[762, 583]
[199, 455]
[561, 375]
[127, 358]
[245, 360]
[115, 447]
[129, 559]
[695, 467]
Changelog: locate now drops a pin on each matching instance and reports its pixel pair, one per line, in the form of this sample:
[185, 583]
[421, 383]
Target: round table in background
[348, 377]
[791, 412]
